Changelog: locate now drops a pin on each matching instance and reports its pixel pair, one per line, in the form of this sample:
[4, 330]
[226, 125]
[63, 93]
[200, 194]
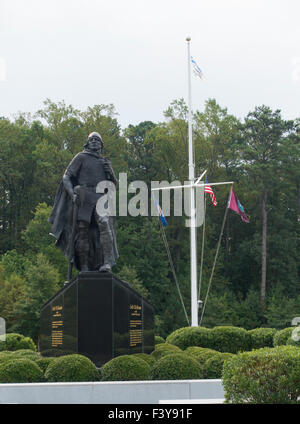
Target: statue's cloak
[62, 220]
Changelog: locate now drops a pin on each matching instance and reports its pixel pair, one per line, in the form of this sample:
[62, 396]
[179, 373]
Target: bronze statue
[86, 237]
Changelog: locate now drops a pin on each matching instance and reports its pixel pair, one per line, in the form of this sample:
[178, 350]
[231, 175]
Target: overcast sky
[133, 53]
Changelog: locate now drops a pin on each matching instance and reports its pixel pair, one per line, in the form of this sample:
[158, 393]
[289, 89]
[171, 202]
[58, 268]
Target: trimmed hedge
[164, 349]
[158, 340]
[230, 339]
[44, 362]
[291, 342]
[5, 356]
[26, 353]
[125, 368]
[15, 341]
[282, 336]
[190, 336]
[201, 354]
[268, 375]
[73, 367]
[213, 366]
[20, 371]
[148, 358]
[176, 366]
[262, 337]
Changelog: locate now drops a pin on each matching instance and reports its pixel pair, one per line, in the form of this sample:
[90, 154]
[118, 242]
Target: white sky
[133, 53]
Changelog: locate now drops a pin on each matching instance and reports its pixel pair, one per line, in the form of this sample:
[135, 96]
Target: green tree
[263, 133]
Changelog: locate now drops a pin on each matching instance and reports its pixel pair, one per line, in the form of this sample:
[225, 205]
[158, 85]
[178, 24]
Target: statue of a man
[85, 234]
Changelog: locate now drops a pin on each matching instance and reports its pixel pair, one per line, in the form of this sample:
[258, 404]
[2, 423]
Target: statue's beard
[94, 150]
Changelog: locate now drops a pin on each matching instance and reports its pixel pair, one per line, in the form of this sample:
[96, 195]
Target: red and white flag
[208, 189]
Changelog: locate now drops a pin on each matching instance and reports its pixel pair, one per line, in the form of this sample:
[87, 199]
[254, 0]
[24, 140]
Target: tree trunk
[264, 248]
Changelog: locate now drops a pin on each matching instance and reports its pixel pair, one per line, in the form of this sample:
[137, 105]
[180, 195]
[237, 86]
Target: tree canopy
[256, 281]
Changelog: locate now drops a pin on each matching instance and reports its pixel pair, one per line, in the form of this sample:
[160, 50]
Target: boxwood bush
[282, 336]
[292, 342]
[230, 339]
[15, 341]
[201, 354]
[158, 340]
[20, 371]
[5, 356]
[148, 358]
[73, 367]
[125, 368]
[44, 362]
[176, 366]
[164, 349]
[190, 336]
[268, 375]
[213, 366]
[26, 353]
[262, 337]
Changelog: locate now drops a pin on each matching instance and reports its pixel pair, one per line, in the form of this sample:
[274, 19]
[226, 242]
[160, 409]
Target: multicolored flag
[208, 189]
[237, 207]
[160, 212]
[197, 71]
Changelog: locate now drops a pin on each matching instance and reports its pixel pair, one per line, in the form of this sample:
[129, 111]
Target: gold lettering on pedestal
[135, 325]
[57, 326]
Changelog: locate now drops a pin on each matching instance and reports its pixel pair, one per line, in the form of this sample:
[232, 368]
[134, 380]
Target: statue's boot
[106, 243]
[83, 261]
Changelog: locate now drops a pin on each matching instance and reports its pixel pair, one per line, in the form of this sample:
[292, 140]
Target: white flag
[197, 71]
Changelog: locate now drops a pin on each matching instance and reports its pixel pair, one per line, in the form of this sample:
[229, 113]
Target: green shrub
[262, 337]
[230, 339]
[282, 336]
[213, 366]
[125, 368]
[44, 362]
[5, 356]
[148, 358]
[201, 354]
[15, 341]
[158, 340]
[26, 353]
[176, 366]
[20, 371]
[190, 336]
[292, 342]
[269, 375]
[72, 368]
[164, 349]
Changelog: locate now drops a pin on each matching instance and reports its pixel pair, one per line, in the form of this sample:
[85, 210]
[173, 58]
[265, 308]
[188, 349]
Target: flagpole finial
[188, 38]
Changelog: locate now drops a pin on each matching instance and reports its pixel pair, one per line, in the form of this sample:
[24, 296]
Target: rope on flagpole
[202, 250]
[216, 255]
[164, 237]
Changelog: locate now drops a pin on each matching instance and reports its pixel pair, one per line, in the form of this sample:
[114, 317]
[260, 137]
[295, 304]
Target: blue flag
[160, 212]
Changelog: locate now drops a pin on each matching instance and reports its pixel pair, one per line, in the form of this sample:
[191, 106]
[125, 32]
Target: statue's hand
[74, 198]
[106, 167]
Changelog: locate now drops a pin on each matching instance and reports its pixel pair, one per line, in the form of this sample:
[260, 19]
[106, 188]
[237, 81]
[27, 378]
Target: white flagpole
[193, 233]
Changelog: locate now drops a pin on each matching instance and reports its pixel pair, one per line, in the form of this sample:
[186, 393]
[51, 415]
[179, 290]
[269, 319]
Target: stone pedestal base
[99, 316]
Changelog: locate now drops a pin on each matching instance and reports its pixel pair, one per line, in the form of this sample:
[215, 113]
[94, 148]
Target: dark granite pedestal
[99, 316]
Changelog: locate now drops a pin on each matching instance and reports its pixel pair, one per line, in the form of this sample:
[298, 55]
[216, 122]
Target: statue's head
[94, 142]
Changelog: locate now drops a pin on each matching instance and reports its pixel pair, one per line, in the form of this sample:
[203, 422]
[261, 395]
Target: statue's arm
[109, 170]
[71, 171]
[69, 186]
